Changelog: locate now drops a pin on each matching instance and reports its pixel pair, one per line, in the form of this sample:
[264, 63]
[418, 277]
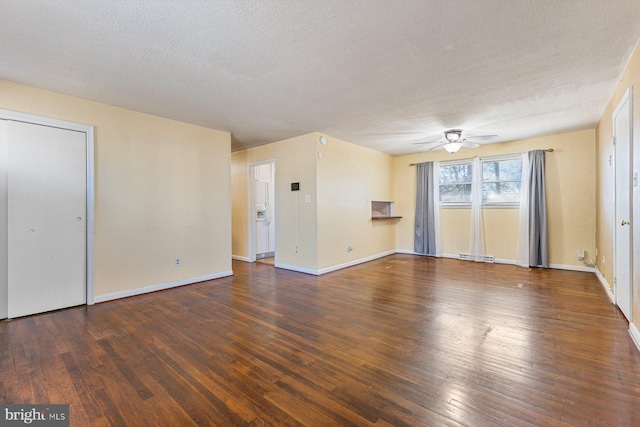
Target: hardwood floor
[401, 341]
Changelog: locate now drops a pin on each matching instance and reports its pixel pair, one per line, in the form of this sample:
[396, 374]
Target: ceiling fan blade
[467, 144]
[481, 138]
[426, 142]
[435, 147]
[430, 140]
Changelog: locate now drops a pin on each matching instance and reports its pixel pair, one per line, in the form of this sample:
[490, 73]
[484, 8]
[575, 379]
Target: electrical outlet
[177, 261]
[603, 260]
[580, 254]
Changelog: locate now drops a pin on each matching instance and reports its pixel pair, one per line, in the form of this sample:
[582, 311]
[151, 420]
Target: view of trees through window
[500, 182]
[455, 183]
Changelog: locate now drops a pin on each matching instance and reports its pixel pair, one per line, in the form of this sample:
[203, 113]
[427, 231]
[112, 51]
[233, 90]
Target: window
[501, 182]
[455, 184]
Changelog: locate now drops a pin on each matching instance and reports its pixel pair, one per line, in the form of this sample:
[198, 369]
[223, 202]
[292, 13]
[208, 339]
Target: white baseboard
[240, 258]
[605, 285]
[407, 252]
[573, 267]
[162, 286]
[506, 261]
[295, 268]
[335, 267]
[635, 334]
[514, 262]
[355, 262]
[495, 261]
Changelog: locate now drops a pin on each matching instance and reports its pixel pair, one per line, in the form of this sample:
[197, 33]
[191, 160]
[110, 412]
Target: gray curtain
[538, 242]
[424, 235]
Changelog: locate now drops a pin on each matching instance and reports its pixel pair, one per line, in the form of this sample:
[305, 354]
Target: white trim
[514, 262]
[161, 286]
[295, 268]
[572, 267]
[240, 258]
[355, 262]
[457, 162]
[337, 266]
[455, 205]
[512, 156]
[605, 285]
[454, 256]
[90, 214]
[409, 252]
[88, 130]
[505, 261]
[504, 205]
[635, 335]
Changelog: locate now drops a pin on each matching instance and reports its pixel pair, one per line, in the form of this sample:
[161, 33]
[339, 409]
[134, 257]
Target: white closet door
[622, 132]
[46, 218]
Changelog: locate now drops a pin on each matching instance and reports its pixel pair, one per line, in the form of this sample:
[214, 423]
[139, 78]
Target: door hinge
[614, 140]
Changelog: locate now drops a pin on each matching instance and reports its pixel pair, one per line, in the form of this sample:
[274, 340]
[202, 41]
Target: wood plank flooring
[401, 341]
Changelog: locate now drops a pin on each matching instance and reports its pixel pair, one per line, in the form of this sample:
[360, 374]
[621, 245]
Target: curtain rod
[548, 150]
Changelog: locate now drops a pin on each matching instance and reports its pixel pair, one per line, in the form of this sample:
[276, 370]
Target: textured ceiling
[379, 73]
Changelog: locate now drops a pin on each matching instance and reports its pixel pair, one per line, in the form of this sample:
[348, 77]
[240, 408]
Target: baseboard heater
[467, 257]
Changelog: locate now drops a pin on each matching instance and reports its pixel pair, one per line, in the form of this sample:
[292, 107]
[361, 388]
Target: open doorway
[262, 224]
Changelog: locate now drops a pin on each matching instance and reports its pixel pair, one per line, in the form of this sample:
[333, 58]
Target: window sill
[505, 206]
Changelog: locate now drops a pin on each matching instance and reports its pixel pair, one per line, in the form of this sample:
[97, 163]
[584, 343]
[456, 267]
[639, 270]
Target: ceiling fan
[453, 141]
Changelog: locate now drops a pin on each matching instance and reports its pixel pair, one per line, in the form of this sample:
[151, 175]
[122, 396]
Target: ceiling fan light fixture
[452, 147]
[453, 135]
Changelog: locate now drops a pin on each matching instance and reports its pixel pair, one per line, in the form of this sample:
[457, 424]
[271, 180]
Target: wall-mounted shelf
[383, 210]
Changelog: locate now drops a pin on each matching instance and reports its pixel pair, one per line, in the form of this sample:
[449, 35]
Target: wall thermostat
[295, 186]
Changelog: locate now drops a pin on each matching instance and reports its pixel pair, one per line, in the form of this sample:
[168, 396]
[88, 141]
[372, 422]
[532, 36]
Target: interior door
[46, 218]
[622, 264]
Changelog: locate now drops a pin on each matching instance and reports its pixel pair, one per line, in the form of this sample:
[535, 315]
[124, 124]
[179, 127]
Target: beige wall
[570, 179]
[349, 178]
[340, 185]
[295, 162]
[605, 188]
[162, 190]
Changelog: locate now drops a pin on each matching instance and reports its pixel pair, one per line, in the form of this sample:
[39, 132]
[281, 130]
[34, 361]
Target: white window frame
[467, 205]
[500, 205]
[455, 205]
